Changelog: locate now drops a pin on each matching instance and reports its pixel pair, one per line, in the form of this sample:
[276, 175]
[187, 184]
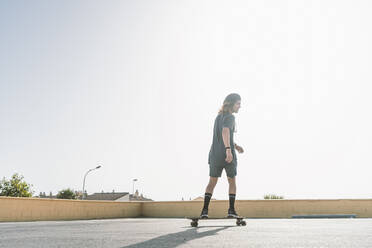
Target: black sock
[232, 201]
[207, 198]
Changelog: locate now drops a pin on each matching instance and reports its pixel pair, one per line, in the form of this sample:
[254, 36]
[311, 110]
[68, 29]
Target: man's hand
[229, 156]
[239, 148]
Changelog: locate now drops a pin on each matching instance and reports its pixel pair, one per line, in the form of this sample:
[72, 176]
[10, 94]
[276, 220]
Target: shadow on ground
[176, 239]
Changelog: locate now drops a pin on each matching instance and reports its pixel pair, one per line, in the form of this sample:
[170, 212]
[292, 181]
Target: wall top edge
[178, 202]
[278, 200]
[65, 200]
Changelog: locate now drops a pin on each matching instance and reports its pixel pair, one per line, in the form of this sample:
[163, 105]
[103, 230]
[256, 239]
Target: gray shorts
[216, 170]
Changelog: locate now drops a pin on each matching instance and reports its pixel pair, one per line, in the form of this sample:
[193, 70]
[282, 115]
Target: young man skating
[222, 153]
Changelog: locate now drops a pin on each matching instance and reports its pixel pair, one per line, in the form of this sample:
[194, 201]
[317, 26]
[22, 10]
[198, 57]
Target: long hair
[228, 103]
[226, 108]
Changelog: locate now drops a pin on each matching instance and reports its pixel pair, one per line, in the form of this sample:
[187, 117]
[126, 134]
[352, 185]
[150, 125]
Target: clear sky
[136, 85]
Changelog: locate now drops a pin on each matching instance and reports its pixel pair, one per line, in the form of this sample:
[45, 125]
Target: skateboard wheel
[194, 224]
[243, 223]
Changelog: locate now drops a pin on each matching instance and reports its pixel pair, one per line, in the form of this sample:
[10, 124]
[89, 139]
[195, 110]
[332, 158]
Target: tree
[66, 194]
[15, 187]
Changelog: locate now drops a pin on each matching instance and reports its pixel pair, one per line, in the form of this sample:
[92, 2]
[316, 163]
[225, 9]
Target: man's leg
[232, 194]
[214, 173]
[209, 191]
[232, 185]
[212, 183]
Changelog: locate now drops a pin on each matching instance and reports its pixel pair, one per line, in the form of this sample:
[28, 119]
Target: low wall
[33, 209]
[261, 208]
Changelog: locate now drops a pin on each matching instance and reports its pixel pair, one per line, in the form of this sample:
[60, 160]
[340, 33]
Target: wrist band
[227, 147]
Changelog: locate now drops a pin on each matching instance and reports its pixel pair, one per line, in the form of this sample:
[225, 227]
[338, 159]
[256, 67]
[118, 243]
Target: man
[222, 153]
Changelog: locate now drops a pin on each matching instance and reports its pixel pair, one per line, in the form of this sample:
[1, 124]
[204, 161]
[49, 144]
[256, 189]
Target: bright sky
[136, 85]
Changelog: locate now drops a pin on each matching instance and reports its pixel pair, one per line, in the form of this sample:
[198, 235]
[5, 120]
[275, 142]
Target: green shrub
[15, 187]
[66, 194]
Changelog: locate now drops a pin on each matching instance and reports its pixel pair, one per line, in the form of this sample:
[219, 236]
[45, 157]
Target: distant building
[117, 196]
[104, 196]
[43, 195]
[109, 196]
[51, 196]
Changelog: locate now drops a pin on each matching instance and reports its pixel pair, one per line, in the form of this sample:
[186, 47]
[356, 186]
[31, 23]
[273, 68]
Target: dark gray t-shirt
[217, 153]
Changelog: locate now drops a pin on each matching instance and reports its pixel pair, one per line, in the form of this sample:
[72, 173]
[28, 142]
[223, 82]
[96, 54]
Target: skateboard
[239, 220]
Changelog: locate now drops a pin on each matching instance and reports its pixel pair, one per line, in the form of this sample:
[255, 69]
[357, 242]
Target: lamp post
[134, 180]
[86, 176]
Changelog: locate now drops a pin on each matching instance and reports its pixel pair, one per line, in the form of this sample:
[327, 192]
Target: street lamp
[134, 180]
[86, 176]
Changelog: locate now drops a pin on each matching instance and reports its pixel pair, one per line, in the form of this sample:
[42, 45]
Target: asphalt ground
[150, 232]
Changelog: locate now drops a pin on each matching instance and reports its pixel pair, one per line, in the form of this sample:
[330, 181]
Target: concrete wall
[32, 209]
[261, 208]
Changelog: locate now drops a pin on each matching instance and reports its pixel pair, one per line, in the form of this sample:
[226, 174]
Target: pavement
[168, 232]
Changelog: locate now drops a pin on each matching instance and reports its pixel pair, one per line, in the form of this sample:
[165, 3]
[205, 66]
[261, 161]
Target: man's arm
[238, 148]
[226, 142]
[226, 136]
